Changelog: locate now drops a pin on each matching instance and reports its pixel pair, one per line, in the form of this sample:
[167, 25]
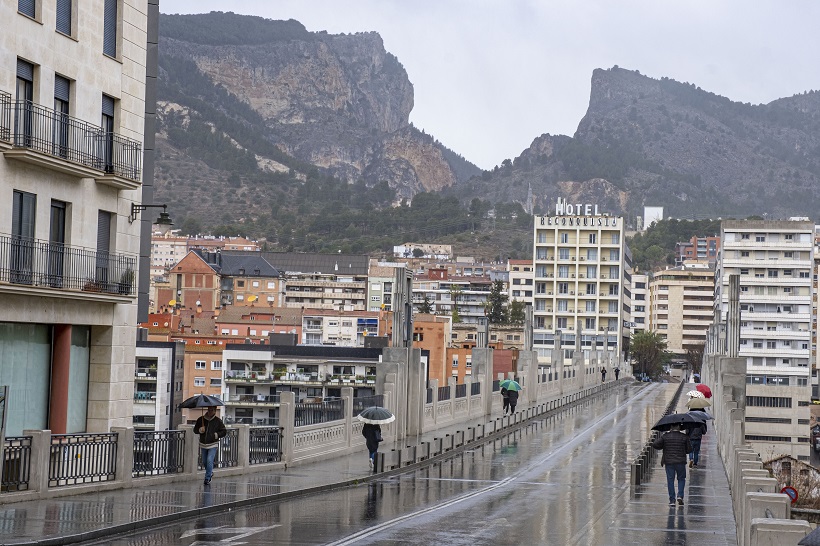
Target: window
[593, 238]
[592, 254]
[64, 17]
[788, 236]
[199, 365]
[744, 271]
[255, 284]
[760, 238]
[613, 255]
[744, 236]
[562, 323]
[788, 254]
[271, 285]
[107, 124]
[564, 237]
[199, 381]
[110, 17]
[744, 254]
[562, 305]
[592, 271]
[773, 273]
[590, 305]
[590, 289]
[62, 90]
[27, 7]
[563, 271]
[589, 324]
[563, 254]
[216, 381]
[563, 288]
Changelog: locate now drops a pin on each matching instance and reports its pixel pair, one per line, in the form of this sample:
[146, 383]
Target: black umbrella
[682, 419]
[201, 401]
[700, 414]
[376, 415]
[812, 539]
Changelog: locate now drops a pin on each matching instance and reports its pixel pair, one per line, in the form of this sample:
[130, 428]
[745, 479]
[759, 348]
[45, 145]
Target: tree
[418, 253]
[455, 293]
[426, 306]
[694, 356]
[495, 306]
[515, 312]
[648, 349]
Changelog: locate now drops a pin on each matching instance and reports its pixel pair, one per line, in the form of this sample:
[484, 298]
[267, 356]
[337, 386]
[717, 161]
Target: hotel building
[580, 262]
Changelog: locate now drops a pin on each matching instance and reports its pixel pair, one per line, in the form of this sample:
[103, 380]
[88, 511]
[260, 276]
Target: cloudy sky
[491, 75]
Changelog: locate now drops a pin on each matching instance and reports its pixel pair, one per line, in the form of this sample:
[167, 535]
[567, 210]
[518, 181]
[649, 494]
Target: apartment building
[697, 248]
[449, 294]
[775, 262]
[380, 282]
[160, 365]
[323, 281]
[640, 301]
[681, 303]
[520, 279]
[340, 328]
[72, 121]
[580, 261]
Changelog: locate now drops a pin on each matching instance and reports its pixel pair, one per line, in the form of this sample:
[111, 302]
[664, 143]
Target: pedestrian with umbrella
[698, 403]
[210, 428]
[512, 388]
[707, 392]
[373, 417]
[675, 445]
[696, 435]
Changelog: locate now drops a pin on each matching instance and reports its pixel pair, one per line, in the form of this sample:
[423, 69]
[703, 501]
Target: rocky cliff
[647, 141]
[339, 103]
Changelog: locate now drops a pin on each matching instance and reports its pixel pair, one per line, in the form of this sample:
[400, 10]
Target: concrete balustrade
[762, 513]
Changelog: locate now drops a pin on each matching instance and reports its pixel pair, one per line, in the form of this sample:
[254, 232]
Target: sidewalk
[706, 517]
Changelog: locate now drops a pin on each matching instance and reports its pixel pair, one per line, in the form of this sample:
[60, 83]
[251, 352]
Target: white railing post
[287, 412]
[243, 457]
[40, 453]
[191, 461]
[125, 455]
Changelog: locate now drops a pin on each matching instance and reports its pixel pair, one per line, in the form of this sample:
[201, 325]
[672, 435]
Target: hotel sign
[577, 214]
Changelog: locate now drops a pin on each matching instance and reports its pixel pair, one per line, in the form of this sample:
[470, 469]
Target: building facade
[72, 121]
[681, 303]
[581, 296]
[521, 282]
[775, 262]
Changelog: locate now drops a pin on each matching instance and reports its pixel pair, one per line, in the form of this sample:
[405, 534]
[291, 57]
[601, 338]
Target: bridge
[561, 470]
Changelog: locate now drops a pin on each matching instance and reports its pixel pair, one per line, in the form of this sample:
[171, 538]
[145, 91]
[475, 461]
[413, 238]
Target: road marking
[238, 532]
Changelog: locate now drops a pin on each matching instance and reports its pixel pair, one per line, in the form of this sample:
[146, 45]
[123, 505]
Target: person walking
[617, 373]
[505, 401]
[603, 375]
[372, 435]
[675, 445]
[512, 396]
[695, 437]
[210, 429]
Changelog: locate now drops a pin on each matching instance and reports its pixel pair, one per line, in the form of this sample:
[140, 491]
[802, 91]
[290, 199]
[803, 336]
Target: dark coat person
[603, 375]
[617, 373]
[513, 396]
[372, 435]
[210, 429]
[505, 400]
[675, 445]
[695, 437]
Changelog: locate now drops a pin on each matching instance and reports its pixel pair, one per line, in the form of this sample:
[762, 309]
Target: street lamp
[163, 220]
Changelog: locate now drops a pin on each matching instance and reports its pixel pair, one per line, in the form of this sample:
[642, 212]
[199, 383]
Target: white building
[775, 261]
[521, 284]
[580, 260]
[72, 120]
[640, 301]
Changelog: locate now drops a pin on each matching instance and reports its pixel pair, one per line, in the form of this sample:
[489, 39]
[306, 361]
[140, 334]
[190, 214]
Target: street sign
[791, 492]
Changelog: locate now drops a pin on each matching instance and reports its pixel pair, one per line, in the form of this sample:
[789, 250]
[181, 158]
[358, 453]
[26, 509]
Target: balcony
[145, 397]
[41, 136]
[252, 400]
[56, 270]
[145, 374]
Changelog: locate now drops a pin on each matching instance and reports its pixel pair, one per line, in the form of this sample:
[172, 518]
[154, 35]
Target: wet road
[560, 480]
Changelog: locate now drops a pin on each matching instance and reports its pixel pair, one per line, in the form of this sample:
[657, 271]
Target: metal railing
[255, 398]
[429, 395]
[362, 402]
[145, 372]
[265, 445]
[81, 458]
[475, 389]
[312, 413]
[5, 116]
[496, 386]
[444, 393]
[227, 454]
[16, 463]
[253, 421]
[158, 452]
[59, 135]
[53, 265]
[461, 390]
[145, 396]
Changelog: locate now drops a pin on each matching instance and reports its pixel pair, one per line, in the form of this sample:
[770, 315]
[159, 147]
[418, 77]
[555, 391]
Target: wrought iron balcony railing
[54, 265]
[47, 131]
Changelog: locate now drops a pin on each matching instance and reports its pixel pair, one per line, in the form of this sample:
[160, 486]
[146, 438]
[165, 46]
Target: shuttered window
[110, 28]
[64, 16]
[27, 7]
[25, 71]
[103, 232]
[62, 88]
[22, 223]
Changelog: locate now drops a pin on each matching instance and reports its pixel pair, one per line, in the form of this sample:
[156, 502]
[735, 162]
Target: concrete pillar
[40, 454]
[756, 505]
[776, 532]
[347, 396]
[191, 451]
[243, 458]
[483, 371]
[125, 455]
[60, 372]
[558, 367]
[287, 408]
[434, 386]
[528, 366]
[734, 375]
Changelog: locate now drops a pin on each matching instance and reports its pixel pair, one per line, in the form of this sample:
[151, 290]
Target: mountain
[249, 109]
[645, 141]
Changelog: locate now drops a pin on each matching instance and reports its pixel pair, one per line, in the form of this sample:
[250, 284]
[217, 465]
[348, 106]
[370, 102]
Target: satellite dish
[172, 303]
[252, 298]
